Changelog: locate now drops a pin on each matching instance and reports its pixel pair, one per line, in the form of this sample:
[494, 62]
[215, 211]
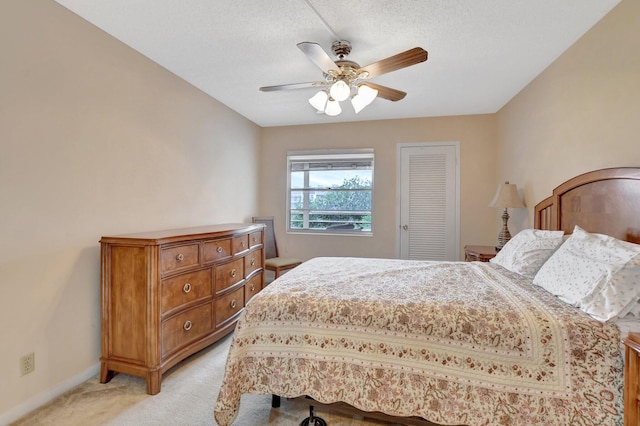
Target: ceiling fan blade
[316, 53]
[395, 62]
[293, 86]
[387, 92]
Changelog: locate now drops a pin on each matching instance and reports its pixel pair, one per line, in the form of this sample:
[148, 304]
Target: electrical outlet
[27, 363]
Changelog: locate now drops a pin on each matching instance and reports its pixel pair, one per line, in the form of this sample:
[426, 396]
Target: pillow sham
[595, 272]
[527, 251]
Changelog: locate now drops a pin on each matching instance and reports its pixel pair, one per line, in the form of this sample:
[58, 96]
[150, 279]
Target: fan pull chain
[335, 35]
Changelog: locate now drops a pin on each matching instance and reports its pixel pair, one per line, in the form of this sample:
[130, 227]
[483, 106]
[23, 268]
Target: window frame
[318, 156]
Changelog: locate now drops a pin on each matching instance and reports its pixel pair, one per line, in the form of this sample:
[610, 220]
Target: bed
[459, 342]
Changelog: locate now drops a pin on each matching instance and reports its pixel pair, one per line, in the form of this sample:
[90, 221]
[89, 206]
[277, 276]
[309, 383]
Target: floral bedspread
[452, 342]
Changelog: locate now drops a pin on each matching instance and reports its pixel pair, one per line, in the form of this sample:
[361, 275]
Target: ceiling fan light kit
[329, 103]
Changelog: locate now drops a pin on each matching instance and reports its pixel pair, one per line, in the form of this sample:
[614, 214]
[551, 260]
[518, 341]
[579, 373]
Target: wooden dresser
[168, 294]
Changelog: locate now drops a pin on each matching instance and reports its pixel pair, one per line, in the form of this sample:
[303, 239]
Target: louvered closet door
[429, 212]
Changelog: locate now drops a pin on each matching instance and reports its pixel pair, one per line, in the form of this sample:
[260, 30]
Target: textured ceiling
[481, 52]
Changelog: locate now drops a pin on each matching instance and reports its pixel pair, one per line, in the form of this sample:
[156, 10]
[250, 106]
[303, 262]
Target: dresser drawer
[179, 257]
[228, 274]
[255, 238]
[252, 287]
[185, 288]
[216, 250]
[229, 305]
[240, 244]
[252, 261]
[185, 327]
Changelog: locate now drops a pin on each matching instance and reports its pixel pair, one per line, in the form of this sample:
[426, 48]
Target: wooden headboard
[605, 201]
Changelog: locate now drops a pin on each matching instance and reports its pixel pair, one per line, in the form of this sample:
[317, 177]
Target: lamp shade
[319, 100]
[340, 91]
[367, 93]
[507, 197]
[365, 96]
[358, 103]
[333, 108]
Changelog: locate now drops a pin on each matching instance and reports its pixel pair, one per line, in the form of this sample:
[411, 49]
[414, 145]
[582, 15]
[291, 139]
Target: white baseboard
[48, 395]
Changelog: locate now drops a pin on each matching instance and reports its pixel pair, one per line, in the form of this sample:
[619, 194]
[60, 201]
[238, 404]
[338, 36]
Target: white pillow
[527, 251]
[595, 272]
[627, 279]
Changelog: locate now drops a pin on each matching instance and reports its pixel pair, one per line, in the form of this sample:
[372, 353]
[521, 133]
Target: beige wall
[477, 138]
[582, 113]
[96, 140]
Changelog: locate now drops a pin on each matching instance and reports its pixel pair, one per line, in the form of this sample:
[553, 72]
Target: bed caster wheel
[313, 420]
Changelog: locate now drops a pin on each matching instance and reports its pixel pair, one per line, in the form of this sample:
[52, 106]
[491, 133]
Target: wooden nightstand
[632, 379]
[479, 253]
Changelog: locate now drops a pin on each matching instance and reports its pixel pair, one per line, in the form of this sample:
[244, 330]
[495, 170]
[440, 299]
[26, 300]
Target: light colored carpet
[188, 396]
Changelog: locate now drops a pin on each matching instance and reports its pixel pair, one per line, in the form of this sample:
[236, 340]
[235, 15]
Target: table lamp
[506, 197]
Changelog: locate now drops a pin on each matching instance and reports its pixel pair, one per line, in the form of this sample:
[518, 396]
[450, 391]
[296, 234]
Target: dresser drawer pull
[233, 273]
[186, 288]
[187, 325]
[243, 244]
[219, 250]
[253, 262]
[233, 304]
[180, 257]
[253, 287]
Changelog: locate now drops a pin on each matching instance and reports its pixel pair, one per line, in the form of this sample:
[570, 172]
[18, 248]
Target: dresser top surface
[185, 233]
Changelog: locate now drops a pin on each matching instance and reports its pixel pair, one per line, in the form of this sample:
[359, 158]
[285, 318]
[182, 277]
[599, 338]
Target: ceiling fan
[344, 78]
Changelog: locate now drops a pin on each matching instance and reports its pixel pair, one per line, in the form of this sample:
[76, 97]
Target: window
[330, 192]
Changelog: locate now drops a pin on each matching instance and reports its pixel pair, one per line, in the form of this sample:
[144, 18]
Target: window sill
[332, 233]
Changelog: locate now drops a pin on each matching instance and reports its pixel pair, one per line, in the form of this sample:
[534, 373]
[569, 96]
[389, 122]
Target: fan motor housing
[341, 48]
